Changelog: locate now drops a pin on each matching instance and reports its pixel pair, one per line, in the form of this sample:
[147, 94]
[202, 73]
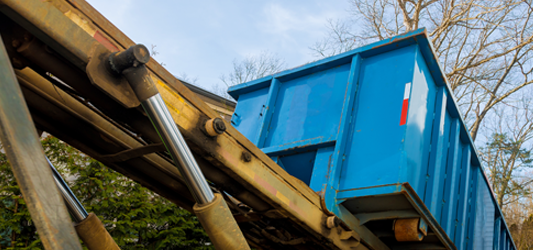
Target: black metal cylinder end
[132, 57]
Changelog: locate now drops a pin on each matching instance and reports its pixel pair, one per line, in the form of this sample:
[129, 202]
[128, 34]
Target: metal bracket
[116, 86]
[351, 237]
[423, 227]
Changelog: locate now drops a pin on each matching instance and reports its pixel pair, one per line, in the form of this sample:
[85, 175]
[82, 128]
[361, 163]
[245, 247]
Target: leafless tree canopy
[484, 46]
[485, 49]
[187, 78]
[248, 69]
[253, 67]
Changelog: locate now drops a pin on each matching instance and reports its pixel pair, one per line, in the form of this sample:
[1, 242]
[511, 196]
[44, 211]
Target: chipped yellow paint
[81, 22]
[178, 107]
[171, 107]
[251, 174]
[166, 87]
[218, 109]
[246, 170]
[283, 198]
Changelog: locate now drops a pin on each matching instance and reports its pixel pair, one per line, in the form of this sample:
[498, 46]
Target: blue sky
[202, 38]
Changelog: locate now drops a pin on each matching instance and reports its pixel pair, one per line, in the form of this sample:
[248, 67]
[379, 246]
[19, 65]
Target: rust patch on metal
[396, 40]
[324, 207]
[407, 230]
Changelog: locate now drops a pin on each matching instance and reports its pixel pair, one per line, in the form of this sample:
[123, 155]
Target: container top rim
[236, 90]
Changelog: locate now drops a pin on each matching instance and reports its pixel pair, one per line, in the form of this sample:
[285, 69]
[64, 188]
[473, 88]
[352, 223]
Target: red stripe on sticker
[405, 104]
[405, 107]
[101, 39]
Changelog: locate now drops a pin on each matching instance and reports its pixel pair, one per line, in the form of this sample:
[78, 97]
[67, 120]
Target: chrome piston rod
[130, 63]
[89, 228]
[74, 206]
[211, 209]
[162, 120]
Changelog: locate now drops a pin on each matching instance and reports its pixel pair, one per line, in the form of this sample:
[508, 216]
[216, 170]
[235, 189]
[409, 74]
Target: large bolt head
[215, 126]
[246, 156]
[219, 125]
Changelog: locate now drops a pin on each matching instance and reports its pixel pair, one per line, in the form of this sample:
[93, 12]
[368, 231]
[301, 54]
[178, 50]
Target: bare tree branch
[484, 46]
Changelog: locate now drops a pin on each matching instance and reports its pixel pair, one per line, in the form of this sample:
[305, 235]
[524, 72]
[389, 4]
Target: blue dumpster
[377, 133]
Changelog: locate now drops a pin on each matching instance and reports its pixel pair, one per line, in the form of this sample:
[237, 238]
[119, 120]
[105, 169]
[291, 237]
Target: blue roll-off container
[377, 132]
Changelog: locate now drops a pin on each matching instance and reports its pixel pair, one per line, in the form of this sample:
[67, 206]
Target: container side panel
[276, 160]
[454, 162]
[507, 239]
[321, 169]
[300, 165]
[345, 134]
[503, 236]
[462, 195]
[373, 152]
[471, 214]
[309, 107]
[439, 146]
[497, 232]
[419, 126]
[440, 188]
[270, 105]
[484, 223]
[249, 114]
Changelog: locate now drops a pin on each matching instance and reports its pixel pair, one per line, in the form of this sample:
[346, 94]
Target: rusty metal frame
[34, 85]
[74, 29]
[28, 161]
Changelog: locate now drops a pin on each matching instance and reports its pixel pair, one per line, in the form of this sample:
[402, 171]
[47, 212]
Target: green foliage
[507, 159]
[16, 230]
[136, 217]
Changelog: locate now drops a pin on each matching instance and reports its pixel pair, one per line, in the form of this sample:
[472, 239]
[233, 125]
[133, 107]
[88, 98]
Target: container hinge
[236, 119]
